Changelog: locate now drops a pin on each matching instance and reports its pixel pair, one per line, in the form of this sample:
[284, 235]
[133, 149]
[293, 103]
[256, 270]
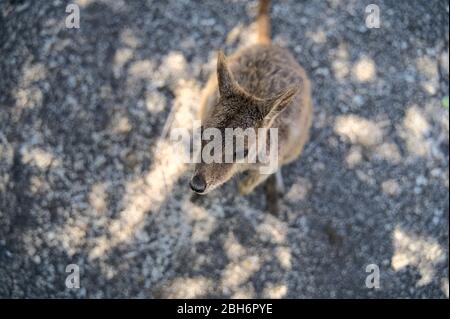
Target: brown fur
[258, 86]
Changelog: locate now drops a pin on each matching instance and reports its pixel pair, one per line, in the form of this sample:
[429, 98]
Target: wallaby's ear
[224, 76]
[273, 106]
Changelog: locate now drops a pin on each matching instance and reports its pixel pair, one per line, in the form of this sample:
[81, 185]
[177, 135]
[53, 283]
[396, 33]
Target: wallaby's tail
[263, 22]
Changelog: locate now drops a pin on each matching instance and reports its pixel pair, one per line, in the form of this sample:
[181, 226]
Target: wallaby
[258, 86]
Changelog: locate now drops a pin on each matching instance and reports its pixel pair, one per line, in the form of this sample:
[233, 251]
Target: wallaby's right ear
[272, 107]
[224, 76]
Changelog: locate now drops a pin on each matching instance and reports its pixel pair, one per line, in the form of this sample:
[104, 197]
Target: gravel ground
[86, 179]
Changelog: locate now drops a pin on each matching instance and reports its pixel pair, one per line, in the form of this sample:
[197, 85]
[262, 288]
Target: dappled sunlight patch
[299, 190]
[364, 70]
[170, 73]
[154, 101]
[73, 238]
[418, 251]
[121, 57]
[70, 237]
[109, 271]
[237, 273]
[283, 255]
[415, 122]
[390, 187]
[34, 73]
[141, 69]
[97, 198]
[275, 291]
[145, 194]
[271, 229]
[414, 131]
[84, 3]
[340, 61]
[245, 292]
[28, 97]
[354, 156]
[174, 65]
[101, 246]
[188, 288]
[38, 184]
[233, 249]
[39, 157]
[319, 36]
[128, 38]
[359, 130]
[120, 124]
[387, 151]
[186, 103]
[368, 139]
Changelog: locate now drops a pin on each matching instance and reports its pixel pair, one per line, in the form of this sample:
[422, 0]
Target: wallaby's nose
[198, 184]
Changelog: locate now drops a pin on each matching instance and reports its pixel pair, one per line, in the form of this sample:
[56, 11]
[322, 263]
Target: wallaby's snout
[198, 183]
[208, 177]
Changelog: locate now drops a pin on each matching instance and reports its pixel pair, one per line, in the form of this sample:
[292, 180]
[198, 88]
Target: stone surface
[86, 180]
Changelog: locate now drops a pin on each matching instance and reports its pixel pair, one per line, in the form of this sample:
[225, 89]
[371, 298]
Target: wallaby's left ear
[225, 78]
[272, 107]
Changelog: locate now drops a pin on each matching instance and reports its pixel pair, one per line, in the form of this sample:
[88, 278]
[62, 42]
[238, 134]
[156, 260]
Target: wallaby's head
[236, 109]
